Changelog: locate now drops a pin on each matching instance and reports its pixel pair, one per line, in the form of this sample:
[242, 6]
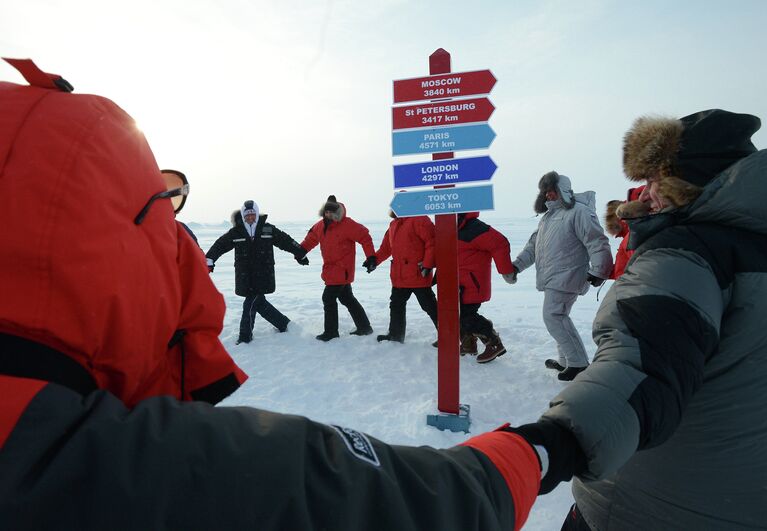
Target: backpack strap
[38, 78]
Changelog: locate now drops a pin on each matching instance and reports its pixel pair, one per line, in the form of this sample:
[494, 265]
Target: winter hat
[331, 205]
[694, 148]
[553, 181]
[249, 207]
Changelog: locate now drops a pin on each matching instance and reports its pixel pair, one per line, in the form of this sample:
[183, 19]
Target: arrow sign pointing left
[443, 201]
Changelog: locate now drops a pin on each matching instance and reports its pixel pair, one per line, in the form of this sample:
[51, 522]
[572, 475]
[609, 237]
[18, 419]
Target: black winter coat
[253, 257]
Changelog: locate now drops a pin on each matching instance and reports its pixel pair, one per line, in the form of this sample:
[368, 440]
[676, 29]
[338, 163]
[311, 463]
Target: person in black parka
[253, 241]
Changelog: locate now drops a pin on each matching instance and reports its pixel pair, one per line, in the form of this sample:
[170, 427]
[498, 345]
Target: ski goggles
[177, 188]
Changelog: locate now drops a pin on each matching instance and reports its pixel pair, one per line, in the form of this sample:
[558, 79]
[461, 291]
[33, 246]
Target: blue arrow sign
[443, 201]
[447, 171]
[437, 140]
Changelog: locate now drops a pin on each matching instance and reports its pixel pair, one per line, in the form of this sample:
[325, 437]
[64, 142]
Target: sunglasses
[176, 189]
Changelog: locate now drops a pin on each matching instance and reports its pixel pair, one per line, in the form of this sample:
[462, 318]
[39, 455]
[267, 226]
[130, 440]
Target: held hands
[211, 265]
[595, 281]
[511, 278]
[425, 271]
[303, 260]
[370, 263]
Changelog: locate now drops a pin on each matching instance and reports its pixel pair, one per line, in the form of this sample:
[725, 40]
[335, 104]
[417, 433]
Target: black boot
[389, 337]
[569, 373]
[327, 336]
[553, 364]
[362, 331]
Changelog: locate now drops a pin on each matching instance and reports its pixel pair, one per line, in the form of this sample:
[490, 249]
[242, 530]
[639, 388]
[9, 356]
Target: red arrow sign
[444, 86]
[444, 113]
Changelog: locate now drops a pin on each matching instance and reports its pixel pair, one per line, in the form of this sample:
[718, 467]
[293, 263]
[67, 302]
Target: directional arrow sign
[442, 139]
[444, 86]
[444, 201]
[447, 171]
[446, 113]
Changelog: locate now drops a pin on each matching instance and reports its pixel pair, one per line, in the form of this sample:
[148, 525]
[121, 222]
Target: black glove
[211, 265]
[425, 271]
[370, 263]
[565, 455]
[303, 260]
[595, 281]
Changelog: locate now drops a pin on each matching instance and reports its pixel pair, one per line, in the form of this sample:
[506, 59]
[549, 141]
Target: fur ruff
[650, 147]
[338, 215]
[547, 183]
[633, 209]
[612, 221]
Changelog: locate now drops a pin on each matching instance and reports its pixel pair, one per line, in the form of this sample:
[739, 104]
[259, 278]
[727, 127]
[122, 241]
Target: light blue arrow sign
[437, 140]
[443, 201]
[447, 171]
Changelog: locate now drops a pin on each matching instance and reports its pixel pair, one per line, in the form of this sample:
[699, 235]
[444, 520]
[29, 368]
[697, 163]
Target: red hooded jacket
[77, 275]
[623, 255]
[478, 244]
[409, 241]
[337, 242]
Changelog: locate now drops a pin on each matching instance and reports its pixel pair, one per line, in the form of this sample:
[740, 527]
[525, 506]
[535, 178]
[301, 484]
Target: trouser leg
[556, 317]
[330, 306]
[248, 318]
[473, 323]
[270, 313]
[347, 298]
[575, 521]
[428, 302]
[397, 312]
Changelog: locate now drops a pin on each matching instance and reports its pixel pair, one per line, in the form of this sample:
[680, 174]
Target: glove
[565, 457]
[595, 281]
[211, 265]
[425, 271]
[370, 263]
[303, 260]
[511, 278]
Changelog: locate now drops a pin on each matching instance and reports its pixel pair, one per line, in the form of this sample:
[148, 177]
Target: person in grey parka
[570, 251]
[669, 420]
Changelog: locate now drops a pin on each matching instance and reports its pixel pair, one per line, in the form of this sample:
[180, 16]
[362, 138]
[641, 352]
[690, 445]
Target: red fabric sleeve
[17, 393]
[517, 462]
[499, 248]
[621, 258]
[425, 231]
[362, 236]
[312, 239]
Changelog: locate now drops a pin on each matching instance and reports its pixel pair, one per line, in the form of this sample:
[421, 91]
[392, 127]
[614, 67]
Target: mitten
[370, 263]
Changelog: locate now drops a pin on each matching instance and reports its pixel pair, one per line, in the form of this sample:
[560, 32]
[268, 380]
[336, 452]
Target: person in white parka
[570, 252]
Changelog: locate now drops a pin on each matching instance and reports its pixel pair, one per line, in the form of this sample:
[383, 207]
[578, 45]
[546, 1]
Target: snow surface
[388, 389]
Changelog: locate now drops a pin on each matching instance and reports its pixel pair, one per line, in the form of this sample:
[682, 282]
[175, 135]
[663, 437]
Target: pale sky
[288, 101]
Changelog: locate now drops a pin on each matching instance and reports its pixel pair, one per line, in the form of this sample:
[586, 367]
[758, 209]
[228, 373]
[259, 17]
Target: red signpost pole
[447, 285]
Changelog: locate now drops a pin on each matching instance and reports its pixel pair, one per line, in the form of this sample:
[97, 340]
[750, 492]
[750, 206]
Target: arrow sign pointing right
[447, 171]
[443, 201]
[438, 140]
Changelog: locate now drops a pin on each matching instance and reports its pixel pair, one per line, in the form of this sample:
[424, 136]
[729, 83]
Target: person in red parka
[478, 244]
[618, 228]
[336, 233]
[410, 243]
[109, 349]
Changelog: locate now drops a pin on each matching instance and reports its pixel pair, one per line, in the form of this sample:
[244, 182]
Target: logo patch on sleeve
[358, 444]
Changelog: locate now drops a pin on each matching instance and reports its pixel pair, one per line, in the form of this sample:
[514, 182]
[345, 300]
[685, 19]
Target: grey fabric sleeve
[526, 256]
[590, 233]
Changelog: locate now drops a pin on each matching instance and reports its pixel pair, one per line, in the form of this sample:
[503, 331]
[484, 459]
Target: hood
[338, 207]
[237, 219]
[465, 217]
[561, 183]
[84, 279]
[614, 226]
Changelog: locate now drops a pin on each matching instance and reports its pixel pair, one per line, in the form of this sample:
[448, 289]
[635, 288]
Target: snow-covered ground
[386, 389]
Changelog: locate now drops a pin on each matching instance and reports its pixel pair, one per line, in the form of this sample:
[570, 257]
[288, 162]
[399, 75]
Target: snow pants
[257, 304]
[398, 308]
[575, 521]
[343, 294]
[473, 323]
[556, 317]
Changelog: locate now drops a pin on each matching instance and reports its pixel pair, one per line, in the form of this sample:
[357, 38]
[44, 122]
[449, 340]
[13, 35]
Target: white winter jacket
[568, 245]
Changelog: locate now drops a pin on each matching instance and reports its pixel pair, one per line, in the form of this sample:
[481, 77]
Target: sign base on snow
[448, 421]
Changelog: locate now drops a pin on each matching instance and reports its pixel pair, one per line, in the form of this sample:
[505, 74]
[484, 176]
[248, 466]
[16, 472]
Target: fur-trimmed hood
[567, 198]
[332, 204]
[237, 219]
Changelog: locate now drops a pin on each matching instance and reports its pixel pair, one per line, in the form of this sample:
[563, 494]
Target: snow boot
[468, 345]
[553, 364]
[435, 344]
[361, 331]
[493, 349]
[569, 373]
[389, 337]
[327, 336]
[243, 340]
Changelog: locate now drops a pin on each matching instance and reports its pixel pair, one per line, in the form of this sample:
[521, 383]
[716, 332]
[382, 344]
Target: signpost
[433, 114]
[439, 140]
[443, 201]
[435, 127]
[441, 172]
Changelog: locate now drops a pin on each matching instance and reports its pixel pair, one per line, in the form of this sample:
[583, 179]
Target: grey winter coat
[568, 239]
[672, 414]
